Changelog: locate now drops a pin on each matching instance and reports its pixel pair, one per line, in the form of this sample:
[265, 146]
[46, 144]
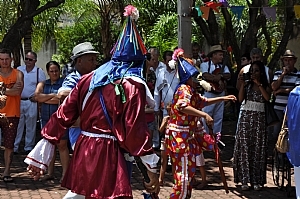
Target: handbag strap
[104, 109]
[284, 119]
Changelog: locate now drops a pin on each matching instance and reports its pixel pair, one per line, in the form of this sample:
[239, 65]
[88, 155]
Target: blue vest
[293, 121]
[48, 109]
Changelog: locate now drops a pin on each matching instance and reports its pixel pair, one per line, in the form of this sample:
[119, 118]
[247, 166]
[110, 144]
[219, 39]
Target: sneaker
[245, 187]
[256, 187]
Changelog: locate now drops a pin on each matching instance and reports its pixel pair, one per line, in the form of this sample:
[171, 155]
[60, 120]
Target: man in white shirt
[155, 64]
[215, 72]
[29, 107]
[165, 85]
[256, 55]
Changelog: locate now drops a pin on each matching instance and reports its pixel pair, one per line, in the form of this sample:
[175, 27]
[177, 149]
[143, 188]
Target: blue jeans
[155, 134]
[215, 111]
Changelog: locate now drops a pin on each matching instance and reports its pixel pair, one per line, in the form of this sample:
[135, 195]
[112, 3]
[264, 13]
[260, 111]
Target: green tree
[97, 22]
[158, 23]
[19, 23]
[257, 28]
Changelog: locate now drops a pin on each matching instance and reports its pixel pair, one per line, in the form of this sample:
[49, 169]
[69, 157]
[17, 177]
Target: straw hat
[289, 54]
[214, 49]
[82, 49]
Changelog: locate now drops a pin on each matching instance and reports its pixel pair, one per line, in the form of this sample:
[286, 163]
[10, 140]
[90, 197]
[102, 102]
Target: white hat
[82, 49]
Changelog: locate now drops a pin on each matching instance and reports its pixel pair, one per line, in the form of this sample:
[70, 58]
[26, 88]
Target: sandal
[7, 179]
[195, 183]
[201, 186]
[46, 177]
[161, 183]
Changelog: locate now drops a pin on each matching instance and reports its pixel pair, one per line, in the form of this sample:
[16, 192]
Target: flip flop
[7, 179]
[46, 178]
[196, 183]
[201, 186]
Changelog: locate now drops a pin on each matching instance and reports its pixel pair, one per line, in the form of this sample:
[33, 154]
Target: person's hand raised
[229, 97]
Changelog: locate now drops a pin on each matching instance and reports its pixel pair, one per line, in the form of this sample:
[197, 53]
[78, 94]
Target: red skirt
[97, 169]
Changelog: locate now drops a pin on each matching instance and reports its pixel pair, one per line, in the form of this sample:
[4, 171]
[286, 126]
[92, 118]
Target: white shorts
[162, 144]
[200, 160]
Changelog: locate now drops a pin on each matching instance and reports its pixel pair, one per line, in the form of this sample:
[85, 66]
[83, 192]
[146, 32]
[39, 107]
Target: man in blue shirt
[85, 61]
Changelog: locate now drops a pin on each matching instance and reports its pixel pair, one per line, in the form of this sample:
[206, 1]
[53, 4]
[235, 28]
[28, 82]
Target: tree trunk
[13, 38]
[257, 21]
[289, 20]
[27, 41]
[106, 38]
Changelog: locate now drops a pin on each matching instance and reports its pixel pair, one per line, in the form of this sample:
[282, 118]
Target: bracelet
[259, 85]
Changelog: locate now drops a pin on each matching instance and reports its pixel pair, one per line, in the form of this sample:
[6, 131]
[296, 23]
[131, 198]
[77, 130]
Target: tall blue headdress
[185, 69]
[127, 59]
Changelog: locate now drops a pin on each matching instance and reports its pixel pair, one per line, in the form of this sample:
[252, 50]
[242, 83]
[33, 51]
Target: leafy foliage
[8, 15]
[164, 33]
[69, 36]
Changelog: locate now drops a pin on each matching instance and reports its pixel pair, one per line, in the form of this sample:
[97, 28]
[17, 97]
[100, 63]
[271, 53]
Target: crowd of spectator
[179, 115]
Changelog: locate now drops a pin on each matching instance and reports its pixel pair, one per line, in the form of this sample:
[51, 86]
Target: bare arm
[63, 94]
[276, 84]
[39, 96]
[240, 79]
[189, 110]
[164, 124]
[242, 91]
[220, 99]
[3, 99]
[216, 78]
[264, 91]
[17, 87]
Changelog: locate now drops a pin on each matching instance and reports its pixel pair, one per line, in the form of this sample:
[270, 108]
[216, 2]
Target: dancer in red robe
[110, 103]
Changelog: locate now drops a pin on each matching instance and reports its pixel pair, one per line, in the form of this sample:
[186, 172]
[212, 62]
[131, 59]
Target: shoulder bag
[282, 144]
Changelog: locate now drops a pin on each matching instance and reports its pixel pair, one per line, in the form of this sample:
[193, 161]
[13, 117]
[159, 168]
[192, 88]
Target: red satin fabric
[97, 168]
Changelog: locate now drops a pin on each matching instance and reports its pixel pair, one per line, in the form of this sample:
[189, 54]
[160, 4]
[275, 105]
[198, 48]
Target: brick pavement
[25, 188]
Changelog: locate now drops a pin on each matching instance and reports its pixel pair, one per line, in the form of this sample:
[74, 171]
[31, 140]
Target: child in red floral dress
[180, 141]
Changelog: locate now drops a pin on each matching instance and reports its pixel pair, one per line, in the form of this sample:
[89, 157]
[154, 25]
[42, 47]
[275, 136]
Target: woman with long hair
[250, 149]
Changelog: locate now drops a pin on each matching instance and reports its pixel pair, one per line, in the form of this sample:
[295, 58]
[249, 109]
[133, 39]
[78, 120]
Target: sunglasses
[29, 59]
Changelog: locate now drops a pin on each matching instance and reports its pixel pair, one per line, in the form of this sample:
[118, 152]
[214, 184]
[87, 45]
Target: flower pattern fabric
[180, 141]
[181, 128]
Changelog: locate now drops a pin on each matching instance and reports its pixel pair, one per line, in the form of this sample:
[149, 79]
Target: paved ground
[24, 188]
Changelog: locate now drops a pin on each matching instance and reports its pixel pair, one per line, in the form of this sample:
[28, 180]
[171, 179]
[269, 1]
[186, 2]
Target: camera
[247, 77]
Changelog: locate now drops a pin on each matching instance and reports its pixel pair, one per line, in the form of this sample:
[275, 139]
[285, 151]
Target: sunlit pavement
[24, 187]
